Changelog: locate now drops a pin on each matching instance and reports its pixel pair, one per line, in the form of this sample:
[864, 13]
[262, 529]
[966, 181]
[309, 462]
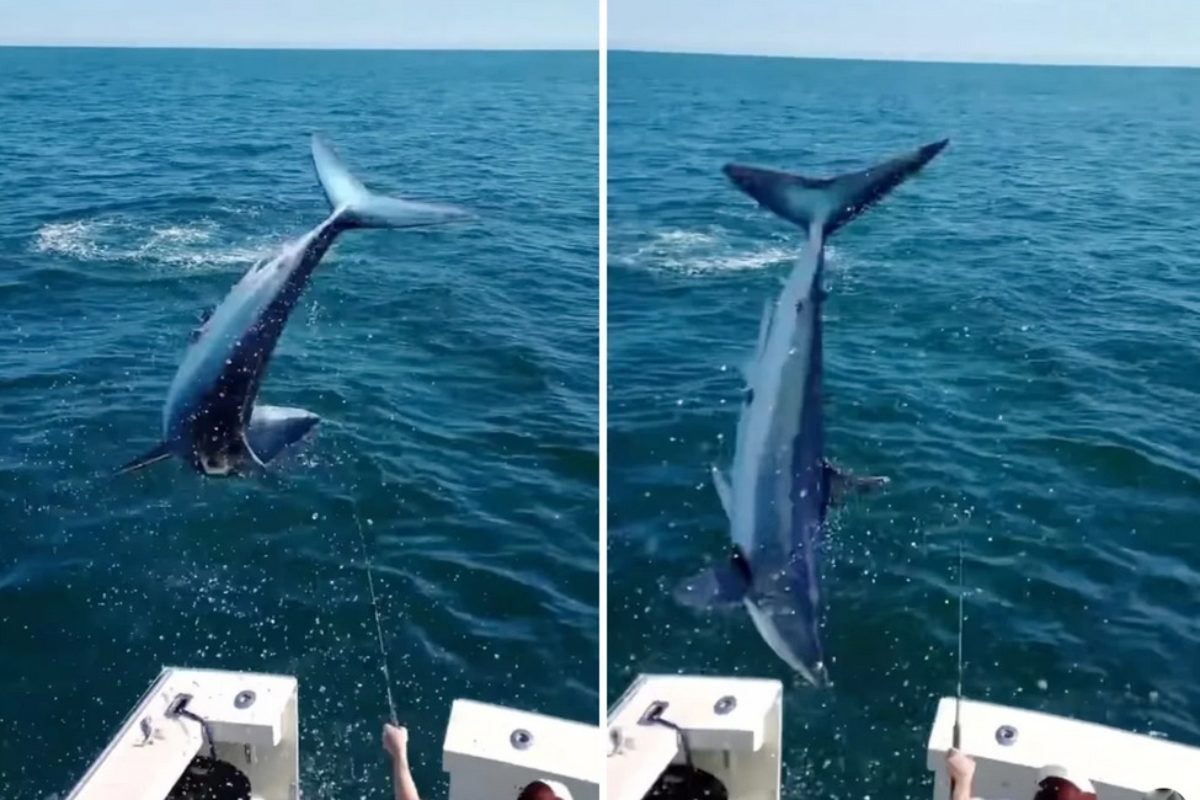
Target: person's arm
[962, 772]
[395, 742]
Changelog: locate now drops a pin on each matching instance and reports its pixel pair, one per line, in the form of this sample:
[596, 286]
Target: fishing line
[387, 681]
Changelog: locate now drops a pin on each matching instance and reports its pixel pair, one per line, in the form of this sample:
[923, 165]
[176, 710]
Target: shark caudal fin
[829, 202]
[359, 207]
[151, 456]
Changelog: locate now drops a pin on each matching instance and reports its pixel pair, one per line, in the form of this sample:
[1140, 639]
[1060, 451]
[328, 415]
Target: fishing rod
[959, 691]
[387, 681]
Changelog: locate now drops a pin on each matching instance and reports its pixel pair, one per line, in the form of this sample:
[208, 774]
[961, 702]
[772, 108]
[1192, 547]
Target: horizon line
[915, 59]
[899, 58]
[491, 48]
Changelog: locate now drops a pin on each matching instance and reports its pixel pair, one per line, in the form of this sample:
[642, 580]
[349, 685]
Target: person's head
[544, 790]
[1060, 783]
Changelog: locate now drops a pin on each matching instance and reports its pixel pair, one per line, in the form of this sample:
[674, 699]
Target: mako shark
[781, 485]
[210, 418]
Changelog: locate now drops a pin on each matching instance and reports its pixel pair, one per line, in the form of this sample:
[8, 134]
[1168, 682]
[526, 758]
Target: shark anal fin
[151, 456]
[273, 428]
[723, 585]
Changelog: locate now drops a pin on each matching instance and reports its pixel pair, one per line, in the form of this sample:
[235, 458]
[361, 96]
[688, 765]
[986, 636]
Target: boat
[228, 735]
[689, 736]
[200, 734]
[730, 729]
[1014, 747]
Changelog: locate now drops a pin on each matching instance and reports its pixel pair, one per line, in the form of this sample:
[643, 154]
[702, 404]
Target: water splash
[706, 252]
[194, 245]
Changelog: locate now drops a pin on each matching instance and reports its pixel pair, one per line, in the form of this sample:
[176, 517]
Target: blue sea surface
[1013, 337]
[455, 371]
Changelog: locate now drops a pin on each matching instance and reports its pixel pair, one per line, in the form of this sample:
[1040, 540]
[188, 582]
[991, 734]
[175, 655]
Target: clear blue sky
[304, 23]
[1041, 31]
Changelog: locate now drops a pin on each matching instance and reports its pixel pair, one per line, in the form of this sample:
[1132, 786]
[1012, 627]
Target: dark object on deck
[210, 779]
[682, 782]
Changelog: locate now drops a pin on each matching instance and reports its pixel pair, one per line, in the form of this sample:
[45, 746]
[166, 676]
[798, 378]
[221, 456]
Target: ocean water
[454, 369]
[1011, 336]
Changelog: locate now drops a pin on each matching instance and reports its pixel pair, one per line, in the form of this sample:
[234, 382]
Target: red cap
[544, 790]
[1060, 783]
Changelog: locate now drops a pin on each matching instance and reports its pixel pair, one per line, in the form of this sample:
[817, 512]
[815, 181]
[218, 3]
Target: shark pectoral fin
[273, 428]
[202, 318]
[151, 456]
[255, 462]
[722, 585]
[724, 491]
[712, 588]
[842, 482]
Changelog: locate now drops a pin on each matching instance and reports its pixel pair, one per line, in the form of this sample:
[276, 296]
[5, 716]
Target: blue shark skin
[210, 419]
[780, 485]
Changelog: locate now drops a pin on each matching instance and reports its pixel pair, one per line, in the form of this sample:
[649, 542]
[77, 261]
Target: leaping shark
[210, 418]
[780, 487]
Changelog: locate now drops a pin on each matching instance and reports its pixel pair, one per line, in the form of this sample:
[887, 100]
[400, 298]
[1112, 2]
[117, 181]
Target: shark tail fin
[151, 456]
[828, 202]
[359, 207]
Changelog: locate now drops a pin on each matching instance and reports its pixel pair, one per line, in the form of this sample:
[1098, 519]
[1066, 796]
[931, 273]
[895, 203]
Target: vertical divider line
[602, 489]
